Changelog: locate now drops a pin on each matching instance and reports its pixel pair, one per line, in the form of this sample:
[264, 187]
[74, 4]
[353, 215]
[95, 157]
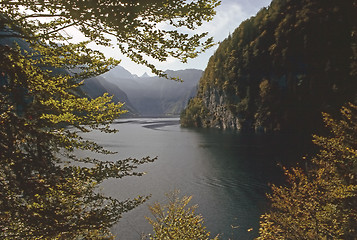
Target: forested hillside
[280, 69]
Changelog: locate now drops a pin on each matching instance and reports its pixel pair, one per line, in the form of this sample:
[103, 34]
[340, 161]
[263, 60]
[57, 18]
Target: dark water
[227, 173]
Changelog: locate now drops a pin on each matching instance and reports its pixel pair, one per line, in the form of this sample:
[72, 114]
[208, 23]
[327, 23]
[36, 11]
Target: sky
[229, 15]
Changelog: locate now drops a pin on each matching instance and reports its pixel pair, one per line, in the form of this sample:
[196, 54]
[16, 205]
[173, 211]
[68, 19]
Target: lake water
[227, 173]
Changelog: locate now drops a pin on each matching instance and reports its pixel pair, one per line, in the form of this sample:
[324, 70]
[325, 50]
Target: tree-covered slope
[280, 69]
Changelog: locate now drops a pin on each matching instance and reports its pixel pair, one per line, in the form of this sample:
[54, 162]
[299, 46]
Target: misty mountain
[96, 86]
[155, 96]
[145, 95]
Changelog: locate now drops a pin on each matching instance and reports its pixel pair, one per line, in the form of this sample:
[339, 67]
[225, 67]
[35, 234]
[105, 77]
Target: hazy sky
[229, 15]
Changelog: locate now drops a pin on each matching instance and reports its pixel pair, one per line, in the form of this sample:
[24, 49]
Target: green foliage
[46, 191]
[134, 24]
[177, 220]
[319, 203]
[41, 196]
[306, 50]
[192, 116]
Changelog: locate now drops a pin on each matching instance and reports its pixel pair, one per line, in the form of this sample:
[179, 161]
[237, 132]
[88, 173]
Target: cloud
[227, 19]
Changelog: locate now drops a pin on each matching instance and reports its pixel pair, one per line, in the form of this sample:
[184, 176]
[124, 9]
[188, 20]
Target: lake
[227, 173]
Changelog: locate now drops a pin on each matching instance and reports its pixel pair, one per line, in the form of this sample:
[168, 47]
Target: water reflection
[227, 173]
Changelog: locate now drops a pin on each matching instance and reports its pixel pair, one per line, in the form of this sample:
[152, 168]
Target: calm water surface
[227, 173]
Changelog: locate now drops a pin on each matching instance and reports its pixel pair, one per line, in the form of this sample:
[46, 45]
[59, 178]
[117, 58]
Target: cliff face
[220, 116]
[280, 69]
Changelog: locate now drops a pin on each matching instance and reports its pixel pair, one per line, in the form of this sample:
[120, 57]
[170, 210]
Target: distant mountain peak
[154, 95]
[119, 71]
[145, 75]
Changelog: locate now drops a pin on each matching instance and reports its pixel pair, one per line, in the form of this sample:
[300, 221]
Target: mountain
[92, 87]
[280, 69]
[155, 96]
[145, 75]
[12, 41]
[119, 71]
[96, 86]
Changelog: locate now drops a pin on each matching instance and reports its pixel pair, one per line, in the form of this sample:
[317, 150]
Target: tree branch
[38, 15]
[59, 29]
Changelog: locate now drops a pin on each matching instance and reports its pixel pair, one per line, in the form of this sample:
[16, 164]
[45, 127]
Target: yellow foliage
[177, 220]
[320, 203]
